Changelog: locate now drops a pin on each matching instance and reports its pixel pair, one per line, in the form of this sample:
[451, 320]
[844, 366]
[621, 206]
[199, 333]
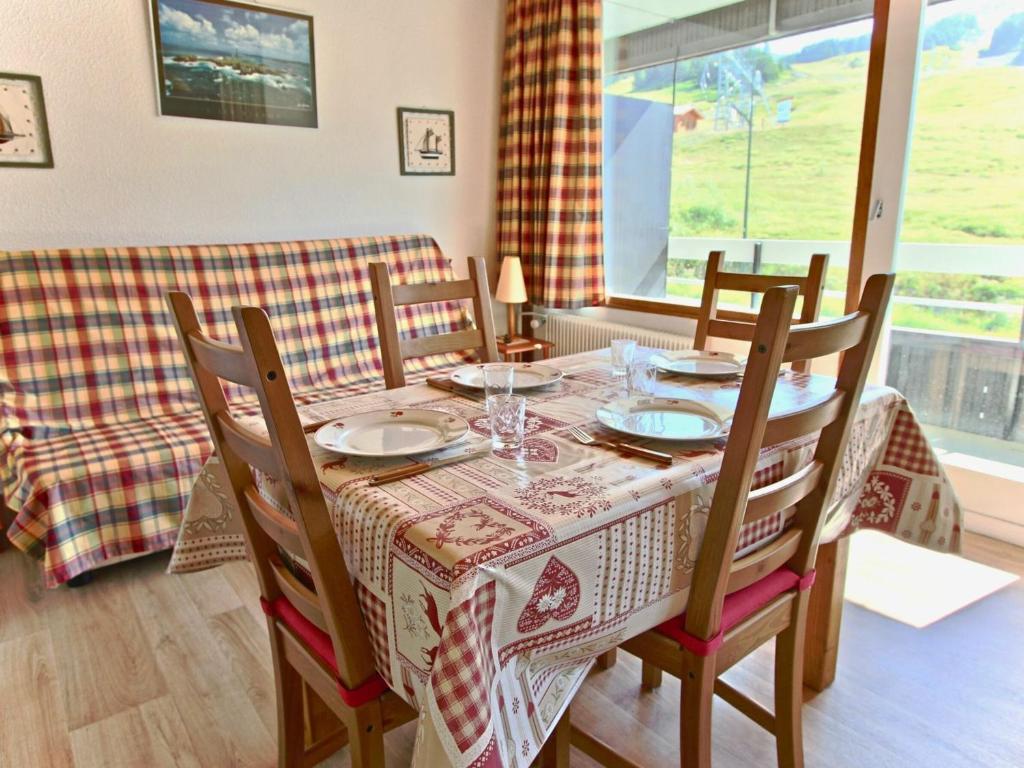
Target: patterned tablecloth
[489, 587]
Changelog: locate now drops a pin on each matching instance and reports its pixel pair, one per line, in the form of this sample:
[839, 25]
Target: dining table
[490, 586]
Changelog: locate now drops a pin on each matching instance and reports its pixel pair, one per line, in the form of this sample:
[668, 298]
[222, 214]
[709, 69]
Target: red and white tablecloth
[489, 587]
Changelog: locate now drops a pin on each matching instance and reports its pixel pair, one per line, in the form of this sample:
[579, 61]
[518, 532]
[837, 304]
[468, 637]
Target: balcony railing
[972, 383]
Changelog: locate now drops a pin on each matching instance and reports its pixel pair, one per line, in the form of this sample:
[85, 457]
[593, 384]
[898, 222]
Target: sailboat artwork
[427, 150]
[426, 142]
[7, 130]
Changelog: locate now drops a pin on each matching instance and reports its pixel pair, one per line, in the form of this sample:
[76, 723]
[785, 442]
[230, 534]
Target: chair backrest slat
[811, 286]
[825, 338]
[747, 283]
[299, 595]
[783, 494]
[790, 426]
[731, 329]
[284, 456]
[757, 565]
[445, 342]
[281, 529]
[424, 293]
[255, 450]
[224, 360]
[804, 494]
[387, 297]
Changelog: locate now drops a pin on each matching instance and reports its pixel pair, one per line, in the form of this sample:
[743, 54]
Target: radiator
[574, 333]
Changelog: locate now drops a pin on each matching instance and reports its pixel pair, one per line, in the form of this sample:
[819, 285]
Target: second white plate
[662, 418]
[392, 433]
[524, 375]
[698, 363]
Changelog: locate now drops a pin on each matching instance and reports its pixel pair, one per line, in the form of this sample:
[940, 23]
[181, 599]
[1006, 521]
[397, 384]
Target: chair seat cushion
[737, 607]
[319, 642]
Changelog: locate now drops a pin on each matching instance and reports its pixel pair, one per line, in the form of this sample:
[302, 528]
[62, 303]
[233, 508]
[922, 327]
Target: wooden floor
[144, 669]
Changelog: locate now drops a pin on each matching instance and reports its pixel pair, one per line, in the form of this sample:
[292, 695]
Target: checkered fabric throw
[549, 153]
[101, 436]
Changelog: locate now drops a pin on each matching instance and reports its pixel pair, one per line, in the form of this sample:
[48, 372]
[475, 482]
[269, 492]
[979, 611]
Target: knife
[411, 470]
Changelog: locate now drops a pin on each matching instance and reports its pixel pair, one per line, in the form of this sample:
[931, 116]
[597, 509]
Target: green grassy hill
[967, 159]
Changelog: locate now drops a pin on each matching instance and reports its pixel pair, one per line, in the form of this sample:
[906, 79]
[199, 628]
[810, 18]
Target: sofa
[101, 435]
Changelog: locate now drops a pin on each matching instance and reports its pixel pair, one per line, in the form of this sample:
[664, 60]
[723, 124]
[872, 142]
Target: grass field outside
[964, 186]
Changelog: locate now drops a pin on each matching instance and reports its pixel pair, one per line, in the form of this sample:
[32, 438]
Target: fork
[585, 438]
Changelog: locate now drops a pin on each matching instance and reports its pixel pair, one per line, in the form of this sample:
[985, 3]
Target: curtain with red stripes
[549, 153]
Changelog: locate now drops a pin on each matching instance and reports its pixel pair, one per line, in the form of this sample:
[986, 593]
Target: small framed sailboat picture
[426, 142]
[24, 138]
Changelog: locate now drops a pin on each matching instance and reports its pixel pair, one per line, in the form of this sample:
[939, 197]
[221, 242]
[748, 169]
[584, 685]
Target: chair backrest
[388, 297]
[284, 456]
[811, 286]
[805, 494]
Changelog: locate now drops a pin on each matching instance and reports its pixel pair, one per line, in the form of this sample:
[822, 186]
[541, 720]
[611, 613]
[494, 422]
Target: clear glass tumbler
[497, 381]
[641, 378]
[623, 351]
[508, 420]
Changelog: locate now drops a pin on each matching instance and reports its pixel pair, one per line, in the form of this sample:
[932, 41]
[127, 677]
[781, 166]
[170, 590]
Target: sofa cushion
[101, 436]
[86, 339]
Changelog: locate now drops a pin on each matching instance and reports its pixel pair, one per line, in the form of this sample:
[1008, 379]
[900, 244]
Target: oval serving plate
[700, 364]
[392, 433]
[662, 418]
[524, 375]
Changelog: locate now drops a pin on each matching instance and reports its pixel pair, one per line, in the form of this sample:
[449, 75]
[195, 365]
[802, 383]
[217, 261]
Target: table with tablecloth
[489, 587]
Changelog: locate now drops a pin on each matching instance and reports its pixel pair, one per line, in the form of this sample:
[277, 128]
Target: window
[959, 309]
[752, 149]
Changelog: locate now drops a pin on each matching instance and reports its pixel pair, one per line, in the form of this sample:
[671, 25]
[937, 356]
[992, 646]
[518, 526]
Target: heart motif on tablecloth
[536, 450]
[556, 595]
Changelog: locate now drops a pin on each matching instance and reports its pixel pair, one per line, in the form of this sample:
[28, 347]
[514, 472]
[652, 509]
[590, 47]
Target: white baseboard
[994, 528]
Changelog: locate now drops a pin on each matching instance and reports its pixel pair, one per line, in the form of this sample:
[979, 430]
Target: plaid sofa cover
[101, 436]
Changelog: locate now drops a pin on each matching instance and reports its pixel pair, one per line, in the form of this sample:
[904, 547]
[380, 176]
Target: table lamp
[511, 290]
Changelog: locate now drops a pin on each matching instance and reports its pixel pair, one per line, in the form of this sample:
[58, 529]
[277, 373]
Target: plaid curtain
[549, 152]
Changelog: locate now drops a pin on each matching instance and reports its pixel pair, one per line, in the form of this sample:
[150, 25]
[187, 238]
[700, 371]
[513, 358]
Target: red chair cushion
[737, 607]
[319, 642]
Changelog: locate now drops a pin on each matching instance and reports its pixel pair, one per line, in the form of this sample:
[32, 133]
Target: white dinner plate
[663, 418]
[392, 433]
[524, 375]
[696, 362]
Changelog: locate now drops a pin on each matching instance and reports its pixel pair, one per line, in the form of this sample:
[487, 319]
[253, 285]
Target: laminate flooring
[144, 669]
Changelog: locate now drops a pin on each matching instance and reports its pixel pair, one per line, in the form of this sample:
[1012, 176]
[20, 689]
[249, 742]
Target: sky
[988, 12]
[208, 26]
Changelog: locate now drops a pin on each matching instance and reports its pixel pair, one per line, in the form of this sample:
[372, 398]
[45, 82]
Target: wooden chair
[317, 636]
[395, 351]
[736, 605]
[741, 328]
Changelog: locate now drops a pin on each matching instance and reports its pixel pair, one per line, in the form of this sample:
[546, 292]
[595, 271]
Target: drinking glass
[508, 420]
[622, 355]
[641, 378]
[497, 381]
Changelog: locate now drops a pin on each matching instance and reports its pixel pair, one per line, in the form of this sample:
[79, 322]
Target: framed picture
[426, 142]
[222, 60]
[24, 137]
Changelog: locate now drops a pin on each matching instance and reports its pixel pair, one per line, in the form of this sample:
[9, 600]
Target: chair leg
[650, 676]
[698, 687]
[366, 737]
[789, 680]
[290, 713]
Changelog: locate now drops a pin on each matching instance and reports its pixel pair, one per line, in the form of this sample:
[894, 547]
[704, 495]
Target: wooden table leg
[555, 752]
[825, 614]
[607, 659]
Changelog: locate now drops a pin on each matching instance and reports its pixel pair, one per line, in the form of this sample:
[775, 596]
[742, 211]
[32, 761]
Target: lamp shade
[511, 285]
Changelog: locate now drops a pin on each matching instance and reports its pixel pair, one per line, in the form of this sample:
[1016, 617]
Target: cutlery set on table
[414, 432]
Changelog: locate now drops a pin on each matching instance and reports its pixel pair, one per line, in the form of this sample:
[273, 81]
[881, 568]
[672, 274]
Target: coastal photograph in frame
[24, 135]
[426, 142]
[222, 60]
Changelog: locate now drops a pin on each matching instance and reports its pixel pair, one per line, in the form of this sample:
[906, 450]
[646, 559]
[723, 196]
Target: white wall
[125, 176]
